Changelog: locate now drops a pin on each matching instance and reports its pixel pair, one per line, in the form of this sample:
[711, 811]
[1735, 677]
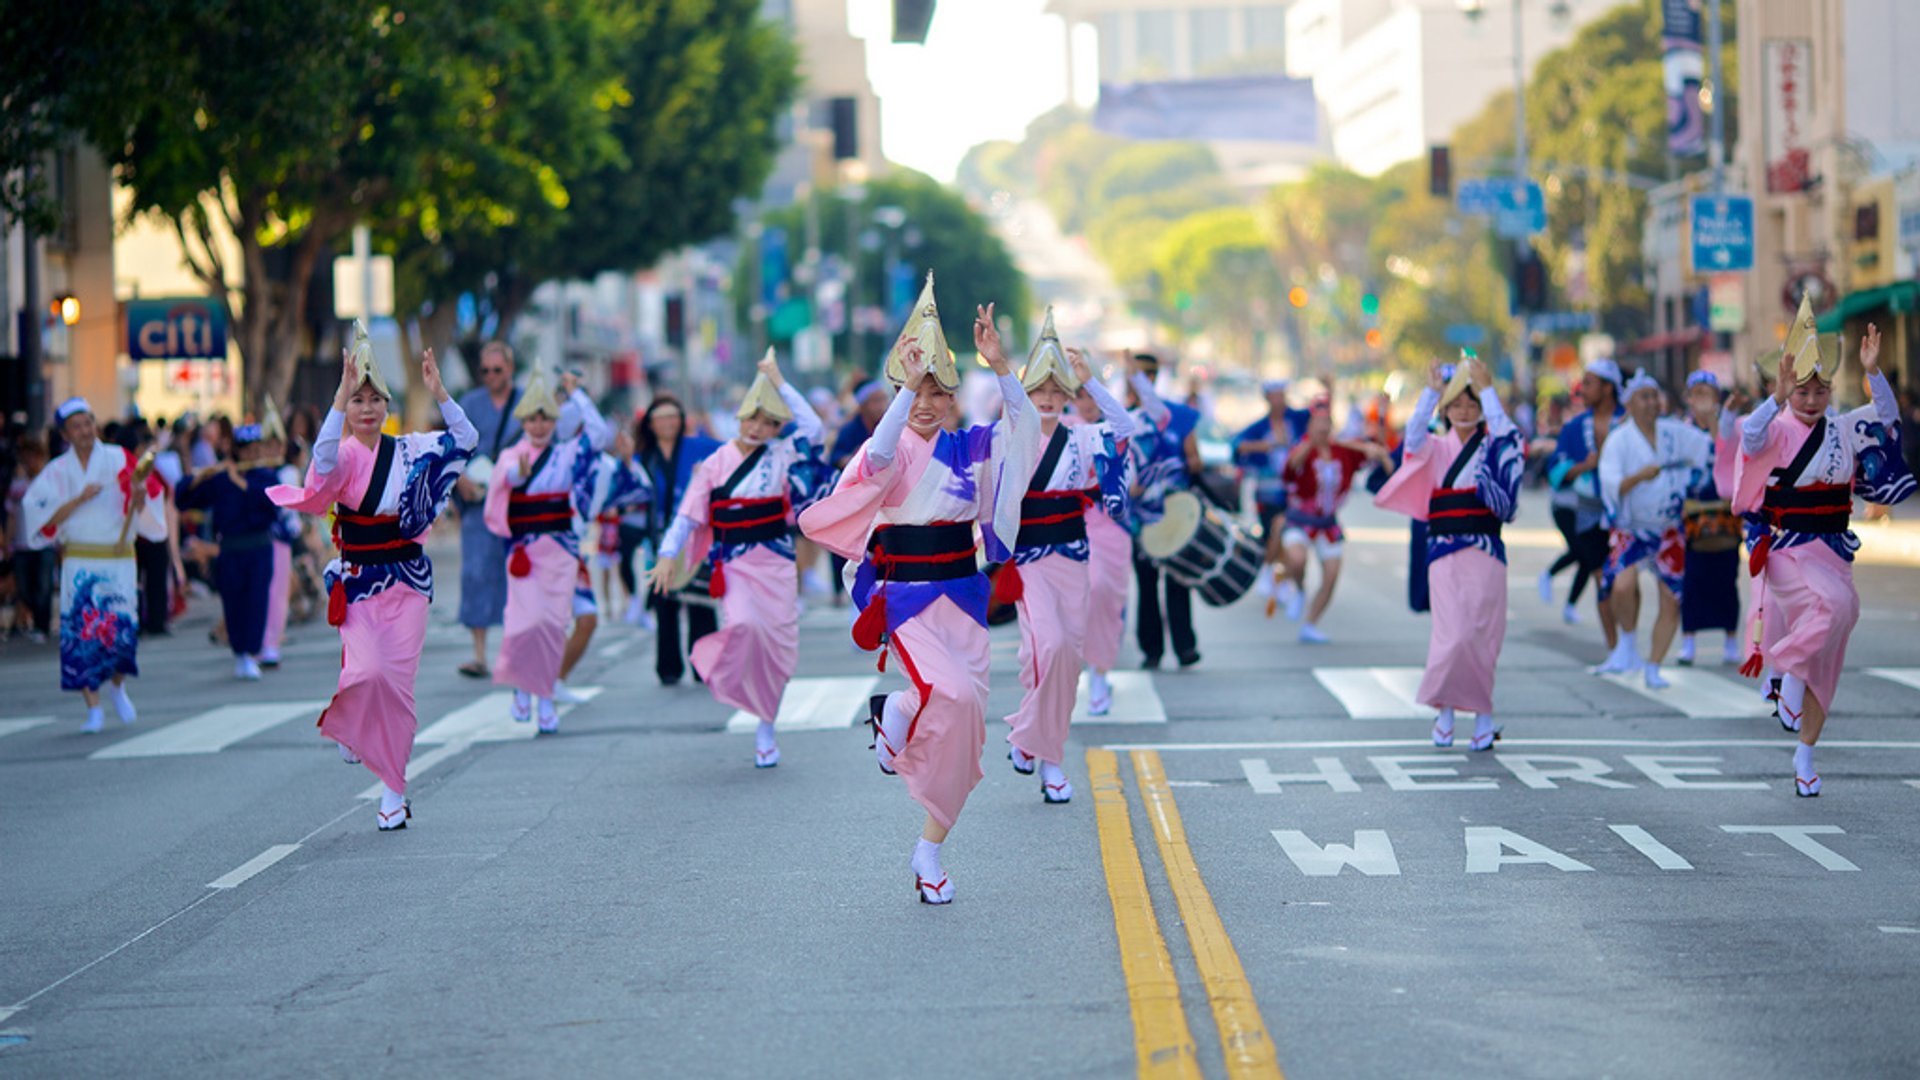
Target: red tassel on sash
[871, 626]
[337, 603]
[1757, 560]
[717, 586]
[1007, 586]
[518, 564]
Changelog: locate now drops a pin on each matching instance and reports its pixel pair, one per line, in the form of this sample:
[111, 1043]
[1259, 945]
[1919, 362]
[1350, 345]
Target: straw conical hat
[362, 352]
[538, 397]
[923, 326]
[762, 397]
[1814, 355]
[1049, 361]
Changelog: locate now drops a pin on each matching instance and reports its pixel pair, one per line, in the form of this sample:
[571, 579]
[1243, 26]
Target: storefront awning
[1672, 339]
[1899, 297]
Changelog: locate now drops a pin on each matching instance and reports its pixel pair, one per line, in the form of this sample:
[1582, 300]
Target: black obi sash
[942, 551]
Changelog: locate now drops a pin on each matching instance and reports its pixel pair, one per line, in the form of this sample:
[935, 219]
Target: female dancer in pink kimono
[385, 492]
[737, 514]
[1801, 464]
[1109, 564]
[905, 508]
[1464, 483]
[1079, 466]
[540, 484]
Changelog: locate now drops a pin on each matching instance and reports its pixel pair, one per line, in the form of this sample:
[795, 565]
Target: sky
[988, 68]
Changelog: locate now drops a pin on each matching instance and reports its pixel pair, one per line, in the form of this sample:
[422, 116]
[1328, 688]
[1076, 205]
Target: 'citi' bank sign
[182, 328]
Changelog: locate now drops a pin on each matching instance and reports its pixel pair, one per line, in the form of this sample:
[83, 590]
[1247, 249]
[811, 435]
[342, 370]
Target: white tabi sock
[390, 800]
[1803, 762]
[1793, 698]
[1628, 649]
[1482, 725]
[1730, 653]
[96, 719]
[1686, 648]
[763, 736]
[1444, 721]
[926, 860]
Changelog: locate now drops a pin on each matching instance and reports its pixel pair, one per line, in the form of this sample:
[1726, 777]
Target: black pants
[1586, 551]
[156, 584]
[1150, 632]
[631, 537]
[33, 586]
[669, 657]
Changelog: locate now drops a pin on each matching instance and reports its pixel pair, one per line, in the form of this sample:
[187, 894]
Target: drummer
[1078, 467]
[1319, 472]
[1166, 455]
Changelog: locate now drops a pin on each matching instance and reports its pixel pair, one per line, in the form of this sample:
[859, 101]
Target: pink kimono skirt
[749, 660]
[1469, 598]
[1053, 612]
[946, 657]
[1811, 607]
[539, 611]
[371, 712]
[1109, 572]
[277, 597]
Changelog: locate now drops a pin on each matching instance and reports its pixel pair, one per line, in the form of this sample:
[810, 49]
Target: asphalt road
[1627, 887]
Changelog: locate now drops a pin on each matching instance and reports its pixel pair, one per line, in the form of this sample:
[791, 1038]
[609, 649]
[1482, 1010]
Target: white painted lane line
[1884, 930]
[1505, 743]
[1135, 700]
[1911, 783]
[15, 726]
[210, 732]
[608, 652]
[484, 720]
[240, 874]
[1698, 694]
[103, 957]
[815, 704]
[1905, 676]
[1375, 693]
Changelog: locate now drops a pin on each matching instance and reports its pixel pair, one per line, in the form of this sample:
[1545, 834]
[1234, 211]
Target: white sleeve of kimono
[806, 422]
[1753, 430]
[1886, 408]
[1421, 420]
[886, 435]
[1498, 422]
[43, 498]
[326, 445]
[465, 435]
[1113, 414]
[1150, 402]
[672, 544]
[578, 414]
[1613, 466]
[1729, 423]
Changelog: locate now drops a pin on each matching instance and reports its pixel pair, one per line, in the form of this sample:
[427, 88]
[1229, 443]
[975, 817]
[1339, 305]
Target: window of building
[1210, 38]
[1266, 28]
[1153, 44]
[1112, 67]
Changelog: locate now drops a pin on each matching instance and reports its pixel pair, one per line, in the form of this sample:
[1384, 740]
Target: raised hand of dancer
[914, 364]
[1783, 382]
[1436, 376]
[770, 367]
[569, 382]
[1870, 349]
[349, 381]
[1077, 360]
[986, 338]
[430, 377]
[1478, 375]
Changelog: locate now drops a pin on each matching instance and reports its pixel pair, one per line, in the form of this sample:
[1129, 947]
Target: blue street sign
[1722, 232]
[179, 328]
[1560, 322]
[1518, 208]
[1465, 335]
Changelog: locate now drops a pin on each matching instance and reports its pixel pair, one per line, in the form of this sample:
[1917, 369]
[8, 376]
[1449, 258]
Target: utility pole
[1717, 133]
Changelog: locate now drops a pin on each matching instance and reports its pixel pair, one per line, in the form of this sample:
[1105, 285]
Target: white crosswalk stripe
[1375, 693]
[1905, 676]
[489, 718]
[18, 724]
[1135, 701]
[1697, 694]
[815, 704]
[209, 732]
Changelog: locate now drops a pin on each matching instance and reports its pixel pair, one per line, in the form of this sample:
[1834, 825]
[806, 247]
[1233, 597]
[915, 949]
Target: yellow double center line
[1163, 1043]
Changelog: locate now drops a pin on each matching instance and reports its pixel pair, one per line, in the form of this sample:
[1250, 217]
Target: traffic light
[1440, 172]
[1375, 339]
[1529, 281]
[676, 321]
[1369, 304]
[1297, 296]
[911, 20]
[845, 117]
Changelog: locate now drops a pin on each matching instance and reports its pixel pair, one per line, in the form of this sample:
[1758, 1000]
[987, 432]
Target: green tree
[1216, 271]
[941, 233]
[289, 124]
